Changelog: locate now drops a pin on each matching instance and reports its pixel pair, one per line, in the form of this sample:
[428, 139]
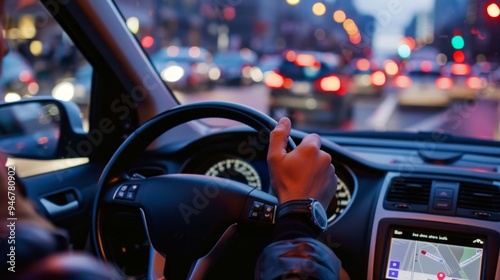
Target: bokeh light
[319, 9]
[292, 2]
[36, 47]
[147, 42]
[133, 24]
[404, 51]
[339, 16]
[391, 68]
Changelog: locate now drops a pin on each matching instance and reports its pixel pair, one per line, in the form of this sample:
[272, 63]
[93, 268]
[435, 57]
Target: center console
[422, 245]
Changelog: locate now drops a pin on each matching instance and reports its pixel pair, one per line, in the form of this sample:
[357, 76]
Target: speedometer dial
[340, 200]
[237, 170]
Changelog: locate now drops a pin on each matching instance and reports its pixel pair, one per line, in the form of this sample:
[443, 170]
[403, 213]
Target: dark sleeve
[295, 253]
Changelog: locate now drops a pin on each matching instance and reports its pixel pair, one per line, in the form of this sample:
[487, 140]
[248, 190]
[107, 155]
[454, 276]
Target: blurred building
[484, 29]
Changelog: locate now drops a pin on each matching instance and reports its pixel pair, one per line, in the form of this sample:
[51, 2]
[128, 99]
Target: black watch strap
[294, 207]
[309, 210]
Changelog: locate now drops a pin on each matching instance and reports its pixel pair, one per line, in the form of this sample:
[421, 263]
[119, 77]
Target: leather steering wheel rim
[140, 139]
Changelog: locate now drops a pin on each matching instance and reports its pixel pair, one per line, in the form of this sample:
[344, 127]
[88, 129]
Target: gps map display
[420, 255]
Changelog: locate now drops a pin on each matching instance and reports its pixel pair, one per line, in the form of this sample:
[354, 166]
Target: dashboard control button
[444, 193]
[442, 204]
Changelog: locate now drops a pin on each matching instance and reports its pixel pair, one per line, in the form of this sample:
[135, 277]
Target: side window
[42, 61]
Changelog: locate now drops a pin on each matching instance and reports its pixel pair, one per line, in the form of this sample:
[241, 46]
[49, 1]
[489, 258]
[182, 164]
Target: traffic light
[493, 10]
[457, 42]
[404, 51]
[458, 56]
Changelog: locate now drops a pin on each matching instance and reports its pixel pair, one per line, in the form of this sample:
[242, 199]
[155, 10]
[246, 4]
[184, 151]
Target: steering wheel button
[254, 214]
[130, 195]
[268, 208]
[124, 188]
[268, 217]
[133, 188]
[120, 194]
[257, 205]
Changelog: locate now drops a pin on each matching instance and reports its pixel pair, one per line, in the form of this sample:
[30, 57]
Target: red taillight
[460, 69]
[274, 80]
[288, 83]
[474, 83]
[444, 83]
[306, 60]
[329, 84]
[402, 81]
[363, 64]
[42, 140]
[25, 76]
[426, 66]
[377, 78]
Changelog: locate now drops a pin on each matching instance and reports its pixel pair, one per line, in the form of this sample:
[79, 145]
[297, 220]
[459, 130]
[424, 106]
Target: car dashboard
[402, 210]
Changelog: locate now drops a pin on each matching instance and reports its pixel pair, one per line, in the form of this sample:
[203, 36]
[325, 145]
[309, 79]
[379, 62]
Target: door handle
[60, 203]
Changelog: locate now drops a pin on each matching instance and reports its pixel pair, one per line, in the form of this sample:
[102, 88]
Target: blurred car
[367, 77]
[466, 80]
[77, 88]
[270, 62]
[186, 68]
[492, 90]
[309, 87]
[421, 84]
[238, 67]
[18, 78]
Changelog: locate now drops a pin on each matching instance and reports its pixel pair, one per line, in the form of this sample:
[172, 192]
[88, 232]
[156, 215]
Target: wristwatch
[310, 210]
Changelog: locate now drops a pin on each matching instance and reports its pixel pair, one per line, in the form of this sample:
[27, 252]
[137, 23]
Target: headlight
[64, 91]
[256, 74]
[12, 96]
[172, 74]
[214, 73]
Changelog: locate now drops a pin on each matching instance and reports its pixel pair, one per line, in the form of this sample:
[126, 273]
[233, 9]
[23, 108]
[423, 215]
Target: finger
[279, 137]
[312, 139]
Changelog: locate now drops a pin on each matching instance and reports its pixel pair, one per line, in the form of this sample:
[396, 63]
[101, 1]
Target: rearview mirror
[39, 128]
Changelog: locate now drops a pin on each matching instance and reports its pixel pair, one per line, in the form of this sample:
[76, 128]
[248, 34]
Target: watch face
[319, 215]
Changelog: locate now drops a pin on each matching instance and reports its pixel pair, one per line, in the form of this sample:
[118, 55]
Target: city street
[381, 113]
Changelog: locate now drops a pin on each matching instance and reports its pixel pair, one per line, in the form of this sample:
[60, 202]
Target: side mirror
[39, 128]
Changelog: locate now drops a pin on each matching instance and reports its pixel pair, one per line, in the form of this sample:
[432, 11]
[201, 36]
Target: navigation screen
[416, 254]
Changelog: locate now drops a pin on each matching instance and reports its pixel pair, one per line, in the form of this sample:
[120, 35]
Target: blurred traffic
[330, 75]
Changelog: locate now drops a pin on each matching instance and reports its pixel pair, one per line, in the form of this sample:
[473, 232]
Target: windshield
[388, 65]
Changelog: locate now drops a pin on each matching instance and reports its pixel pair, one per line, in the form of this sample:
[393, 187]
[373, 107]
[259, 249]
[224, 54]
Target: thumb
[278, 140]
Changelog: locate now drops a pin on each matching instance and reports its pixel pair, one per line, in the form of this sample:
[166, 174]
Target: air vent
[411, 194]
[479, 201]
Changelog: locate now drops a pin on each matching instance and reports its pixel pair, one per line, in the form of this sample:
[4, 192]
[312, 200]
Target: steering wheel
[189, 218]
